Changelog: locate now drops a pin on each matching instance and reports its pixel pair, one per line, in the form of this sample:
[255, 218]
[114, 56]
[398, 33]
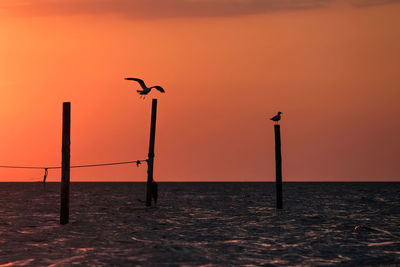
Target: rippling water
[201, 223]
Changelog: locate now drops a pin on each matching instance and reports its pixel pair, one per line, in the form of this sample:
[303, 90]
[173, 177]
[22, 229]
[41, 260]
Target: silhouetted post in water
[65, 165]
[150, 160]
[154, 191]
[278, 165]
[45, 175]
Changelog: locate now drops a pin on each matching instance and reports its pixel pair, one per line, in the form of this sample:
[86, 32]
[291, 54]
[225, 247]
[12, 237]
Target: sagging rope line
[46, 169]
[137, 162]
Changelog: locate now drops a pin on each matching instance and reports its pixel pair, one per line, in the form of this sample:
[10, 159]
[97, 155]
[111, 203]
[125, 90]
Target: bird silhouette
[277, 117]
[145, 90]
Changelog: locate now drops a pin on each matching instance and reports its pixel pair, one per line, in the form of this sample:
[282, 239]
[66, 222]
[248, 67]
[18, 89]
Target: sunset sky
[332, 67]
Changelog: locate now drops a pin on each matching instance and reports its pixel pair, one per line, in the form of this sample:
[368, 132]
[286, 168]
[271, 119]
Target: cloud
[158, 9]
[368, 3]
[153, 9]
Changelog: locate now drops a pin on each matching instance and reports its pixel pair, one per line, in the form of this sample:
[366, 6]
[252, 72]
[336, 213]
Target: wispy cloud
[153, 9]
[368, 3]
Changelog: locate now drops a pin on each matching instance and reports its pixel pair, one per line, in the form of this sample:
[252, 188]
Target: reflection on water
[18, 263]
[200, 224]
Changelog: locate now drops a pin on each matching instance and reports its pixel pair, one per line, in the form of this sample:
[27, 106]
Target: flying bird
[277, 117]
[145, 90]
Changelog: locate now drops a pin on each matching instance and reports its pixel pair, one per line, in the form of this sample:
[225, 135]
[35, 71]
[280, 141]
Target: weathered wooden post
[278, 167]
[150, 160]
[65, 164]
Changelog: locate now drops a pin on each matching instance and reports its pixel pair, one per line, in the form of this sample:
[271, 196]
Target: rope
[27, 167]
[137, 162]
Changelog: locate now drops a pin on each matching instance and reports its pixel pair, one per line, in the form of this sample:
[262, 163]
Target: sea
[201, 224]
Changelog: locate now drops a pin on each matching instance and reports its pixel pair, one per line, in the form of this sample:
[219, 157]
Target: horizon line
[218, 181]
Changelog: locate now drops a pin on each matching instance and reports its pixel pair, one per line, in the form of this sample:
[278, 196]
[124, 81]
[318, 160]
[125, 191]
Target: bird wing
[140, 81]
[159, 88]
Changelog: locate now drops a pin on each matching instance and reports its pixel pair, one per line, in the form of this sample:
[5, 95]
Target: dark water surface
[202, 224]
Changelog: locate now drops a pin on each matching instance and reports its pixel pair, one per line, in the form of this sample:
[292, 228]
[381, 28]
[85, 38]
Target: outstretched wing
[140, 81]
[159, 88]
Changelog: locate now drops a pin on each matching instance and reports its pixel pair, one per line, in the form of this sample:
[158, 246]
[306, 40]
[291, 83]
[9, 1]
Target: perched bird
[145, 90]
[277, 117]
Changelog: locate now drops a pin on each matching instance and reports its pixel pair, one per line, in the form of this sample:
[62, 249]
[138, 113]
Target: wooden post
[278, 167]
[150, 162]
[65, 165]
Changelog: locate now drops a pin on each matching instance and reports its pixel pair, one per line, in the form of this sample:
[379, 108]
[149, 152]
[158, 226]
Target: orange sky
[331, 67]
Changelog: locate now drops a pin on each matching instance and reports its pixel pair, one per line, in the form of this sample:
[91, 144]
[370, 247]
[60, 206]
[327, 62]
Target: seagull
[277, 117]
[145, 90]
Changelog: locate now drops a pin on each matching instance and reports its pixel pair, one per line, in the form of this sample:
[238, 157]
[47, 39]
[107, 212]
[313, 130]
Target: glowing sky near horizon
[332, 68]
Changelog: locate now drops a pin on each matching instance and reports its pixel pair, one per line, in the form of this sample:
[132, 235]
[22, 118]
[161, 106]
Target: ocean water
[349, 224]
